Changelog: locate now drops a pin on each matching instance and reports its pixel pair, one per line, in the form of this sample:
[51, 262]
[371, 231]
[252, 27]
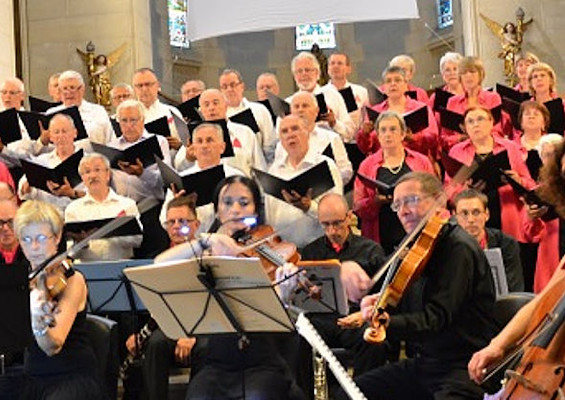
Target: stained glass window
[323, 34]
[444, 13]
[178, 16]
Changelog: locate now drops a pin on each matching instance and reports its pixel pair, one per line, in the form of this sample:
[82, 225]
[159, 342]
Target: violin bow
[144, 205]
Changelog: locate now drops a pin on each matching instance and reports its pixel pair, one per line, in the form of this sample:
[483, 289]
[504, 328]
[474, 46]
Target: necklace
[396, 170]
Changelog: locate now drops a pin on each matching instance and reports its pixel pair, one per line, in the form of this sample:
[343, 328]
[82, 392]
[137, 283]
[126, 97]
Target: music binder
[441, 99]
[210, 296]
[376, 96]
[349, 99]
[512, 94]
[280, 107]
[246, 118]
[145, 151]
[529, 195]
[189, 109]
[318, 178]
[10, 126]
[512, 108]
[416, 120]
[159, 127]
[267, 104]
[37, 175]
[375, 184]
[228, 152]
[489, 169]
[451, 120]
[39, 105]
[557, 120]
[132, 227]
[74, 113]
[203, 183]
[116, 126]
[322, 106]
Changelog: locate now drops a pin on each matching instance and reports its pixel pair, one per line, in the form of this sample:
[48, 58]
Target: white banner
[211, 18]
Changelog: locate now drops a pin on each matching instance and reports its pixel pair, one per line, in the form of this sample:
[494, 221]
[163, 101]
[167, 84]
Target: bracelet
[40, 332]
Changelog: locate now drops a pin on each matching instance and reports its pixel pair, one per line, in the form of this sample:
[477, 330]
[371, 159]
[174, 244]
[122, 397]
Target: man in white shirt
[95, 118]
[12, 94]
[191, 88]
[147, 87]
[133, 180]
[267, 81]
[101, 202]
[232, 86]
[339, 69]
[306, 71]
[121, 92]
[305, 106]
[208, 145]
[296, 219]
[53, 87]
[247, 151]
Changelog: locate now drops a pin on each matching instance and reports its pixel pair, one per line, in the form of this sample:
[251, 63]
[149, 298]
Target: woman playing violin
[60, 363]
[443, 315]
[219, 369]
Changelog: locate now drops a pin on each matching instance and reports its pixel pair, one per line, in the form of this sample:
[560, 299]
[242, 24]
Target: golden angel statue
[511, 36]
[98, 67]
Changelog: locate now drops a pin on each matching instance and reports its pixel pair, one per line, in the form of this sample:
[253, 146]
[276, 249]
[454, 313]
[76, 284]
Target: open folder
[146, 150]
[38, 175]
[39, 105]
[10, 126]
[375, 184]
[349, 99]
[246, 118]
[318, 178]
[31, 121]
[416, 120]
[132, 227]
[182, 303]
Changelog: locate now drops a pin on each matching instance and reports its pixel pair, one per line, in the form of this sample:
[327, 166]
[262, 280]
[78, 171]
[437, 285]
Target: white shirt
[318, 140]
[266, 136]
[344, 125]
[361, 98]
[248, 153]
[50, 160]
[291, 223]
[96, 121]
[205, 213]
[88, 209]
[149, 183]
[158, 110]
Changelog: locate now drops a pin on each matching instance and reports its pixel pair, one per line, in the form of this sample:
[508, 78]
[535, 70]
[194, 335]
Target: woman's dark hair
[552, 181]
[253, 188]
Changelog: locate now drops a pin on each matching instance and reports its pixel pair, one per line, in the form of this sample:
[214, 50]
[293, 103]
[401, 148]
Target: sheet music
[494, 257]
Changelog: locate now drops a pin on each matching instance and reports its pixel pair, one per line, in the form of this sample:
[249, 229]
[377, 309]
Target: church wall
[7, 43]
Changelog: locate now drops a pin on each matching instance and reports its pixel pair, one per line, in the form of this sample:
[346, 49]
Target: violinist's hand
[288, 280]
[355, 280]
[183, 348]
[368, 305]
[42, 311]
[351, 321]
[482, 359]
[301, 202]
[221, 245]
[131, 344]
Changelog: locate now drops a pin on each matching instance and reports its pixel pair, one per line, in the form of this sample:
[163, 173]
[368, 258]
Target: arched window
[323, 34]
[178, 17]
[444, 13]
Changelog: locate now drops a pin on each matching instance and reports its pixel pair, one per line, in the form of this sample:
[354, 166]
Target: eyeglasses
[10, 92]
[334, 224]
[231, 85]
[478, 120]
[409, 201]
[305, 70]
[126, 121]
[39, 239]
[394, 80]
[8, 222]
[180, 221]
[144, 84]
[122, 96]
[467, 213]
[70, 88]
[87, 171]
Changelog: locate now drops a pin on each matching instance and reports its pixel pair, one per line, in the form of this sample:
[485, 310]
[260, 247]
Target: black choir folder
[441, 99]
[383, 188]
[349, 99]
[203, 183]
[416, 120]
[159, 127]
[146, 150]
[488, 170]
[39, 105]
[246, 118]
[189, 109]
[512, 94]
[529, 195]
[322, 106]
[455, 121]
[228, 152]
[279, 106]
[131, 227]
[31, 121]
[318, 178]
[38, 175]
[10, 131]
[376, 96]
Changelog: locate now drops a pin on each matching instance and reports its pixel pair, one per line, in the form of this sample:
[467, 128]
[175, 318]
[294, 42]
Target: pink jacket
[458, 104]
[364, 197]
[425, 141]
[510, 205]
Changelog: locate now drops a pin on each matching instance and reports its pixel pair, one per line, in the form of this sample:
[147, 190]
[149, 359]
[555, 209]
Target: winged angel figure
[99, 67]
[511, 36]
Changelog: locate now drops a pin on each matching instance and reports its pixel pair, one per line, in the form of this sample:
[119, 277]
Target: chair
[506, 306]
[103, 336]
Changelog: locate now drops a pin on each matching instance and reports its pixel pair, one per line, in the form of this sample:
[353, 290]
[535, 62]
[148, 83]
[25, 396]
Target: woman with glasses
[219, 369]
[60, 363]
[395, 87]
[388, 164]
[504, 204]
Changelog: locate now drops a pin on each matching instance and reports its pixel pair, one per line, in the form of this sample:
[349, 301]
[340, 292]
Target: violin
[407, 272]
[53, 279]
[273, 253]
[541, 372]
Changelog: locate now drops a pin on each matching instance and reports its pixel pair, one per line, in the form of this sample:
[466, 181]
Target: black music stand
[211, 296]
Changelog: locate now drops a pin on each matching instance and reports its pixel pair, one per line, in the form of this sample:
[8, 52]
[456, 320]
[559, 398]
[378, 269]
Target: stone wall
[7, 43]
